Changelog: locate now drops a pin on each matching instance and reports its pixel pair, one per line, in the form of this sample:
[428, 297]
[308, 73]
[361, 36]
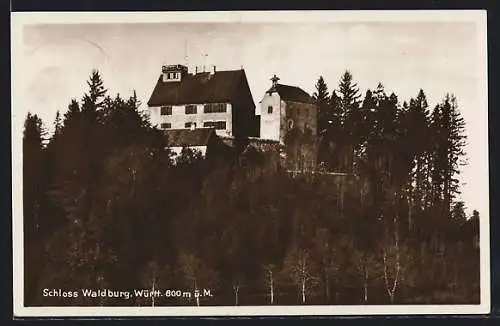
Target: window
[166, 110]
[166, 125]
[219, 125]
[289, 112]
[290, 124]
[190, 124]
[214, 108]
[269, 109]
[307, 112]
[298, 111]
[190, 109]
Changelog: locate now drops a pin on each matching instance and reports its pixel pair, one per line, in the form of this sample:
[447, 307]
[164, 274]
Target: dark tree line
[106, 206]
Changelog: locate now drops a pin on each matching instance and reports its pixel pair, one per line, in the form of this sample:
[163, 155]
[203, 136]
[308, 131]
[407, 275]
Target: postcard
[250, 163]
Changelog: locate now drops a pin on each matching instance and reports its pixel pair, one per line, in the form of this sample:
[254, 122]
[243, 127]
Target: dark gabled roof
[291, 93]
[188, 137]
[221, 87]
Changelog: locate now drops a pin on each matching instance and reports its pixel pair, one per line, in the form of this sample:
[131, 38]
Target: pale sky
[438, 57]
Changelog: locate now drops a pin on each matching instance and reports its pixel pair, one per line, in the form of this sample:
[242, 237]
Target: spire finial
[275, 80]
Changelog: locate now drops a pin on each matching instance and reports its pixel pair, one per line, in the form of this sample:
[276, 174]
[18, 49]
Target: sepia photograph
[250, 163]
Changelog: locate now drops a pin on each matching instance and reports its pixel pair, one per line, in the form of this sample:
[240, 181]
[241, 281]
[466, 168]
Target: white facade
[271, 113]
[178, 119]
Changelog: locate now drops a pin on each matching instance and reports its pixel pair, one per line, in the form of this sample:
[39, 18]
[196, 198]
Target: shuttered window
[214, 108]
[219, 125]
[191, 109]
[166, 110]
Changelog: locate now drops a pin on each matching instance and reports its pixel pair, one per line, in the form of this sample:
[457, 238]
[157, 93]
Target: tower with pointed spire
[289, 115]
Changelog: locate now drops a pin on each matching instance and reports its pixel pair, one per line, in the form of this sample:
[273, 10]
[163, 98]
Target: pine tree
[454, 128]
[365, 126]
[349, 109]
[330, 136]
[78, 171]
[57, 124]
[32, 173]
[72, 115]
[415, 123]
[33, 199]
[321, 98]
[93, 100]
[336, 109]
[436, 156]
[96, 90]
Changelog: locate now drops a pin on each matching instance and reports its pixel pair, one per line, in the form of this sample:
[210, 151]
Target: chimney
[192, 126]
[196, 70]
[214, 70]
[164, 73]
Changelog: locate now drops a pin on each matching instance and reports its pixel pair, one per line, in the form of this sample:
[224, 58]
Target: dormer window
[173, 73]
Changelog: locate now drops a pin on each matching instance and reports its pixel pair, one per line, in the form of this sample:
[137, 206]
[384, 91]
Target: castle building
[183, 102]
[214, 99]
[288, 115]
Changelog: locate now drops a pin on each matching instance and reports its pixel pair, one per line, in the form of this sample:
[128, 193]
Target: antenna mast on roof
[204, 61]
[185, 53]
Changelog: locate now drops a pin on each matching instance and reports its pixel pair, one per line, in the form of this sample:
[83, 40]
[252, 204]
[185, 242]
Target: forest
[106, 207]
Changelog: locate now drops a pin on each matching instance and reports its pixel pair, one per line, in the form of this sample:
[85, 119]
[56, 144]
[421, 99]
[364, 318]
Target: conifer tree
[453, 141]
[321, 98]
[32, 173]
[72, 115]
[92, 101]
[57, 124]
[349, 110]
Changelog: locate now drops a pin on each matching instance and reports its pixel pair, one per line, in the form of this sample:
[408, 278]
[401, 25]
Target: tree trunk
[271, 288]
[236, 288]
[327, 288]
[153, 288]
[365, 285]
[303, 291]
[197, 297]
[391, 290]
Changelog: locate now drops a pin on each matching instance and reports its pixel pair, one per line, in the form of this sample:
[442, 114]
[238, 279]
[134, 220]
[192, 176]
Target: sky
[438, 57]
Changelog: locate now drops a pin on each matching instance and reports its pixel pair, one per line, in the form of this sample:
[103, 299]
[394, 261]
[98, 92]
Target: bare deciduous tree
[300, 270]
